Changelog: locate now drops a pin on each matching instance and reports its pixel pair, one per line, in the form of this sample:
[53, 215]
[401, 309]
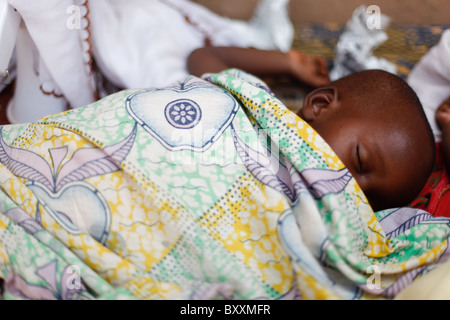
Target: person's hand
[310, 70]
[443, 114]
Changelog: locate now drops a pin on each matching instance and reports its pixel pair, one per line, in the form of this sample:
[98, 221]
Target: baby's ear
[316, 101]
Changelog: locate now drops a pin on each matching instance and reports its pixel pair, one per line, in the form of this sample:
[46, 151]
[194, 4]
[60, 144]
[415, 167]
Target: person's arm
[443, 120]
[310, 70]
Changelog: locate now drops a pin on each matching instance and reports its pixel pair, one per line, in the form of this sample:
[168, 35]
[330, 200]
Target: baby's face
[378, 159]
[377, 154]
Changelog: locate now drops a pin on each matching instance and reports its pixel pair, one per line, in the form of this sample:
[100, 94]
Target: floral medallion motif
[183, 113]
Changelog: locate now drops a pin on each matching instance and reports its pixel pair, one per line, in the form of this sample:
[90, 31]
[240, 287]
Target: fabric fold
[207, 189]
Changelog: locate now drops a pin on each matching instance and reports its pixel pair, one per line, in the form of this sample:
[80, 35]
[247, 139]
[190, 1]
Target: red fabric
[435, 196]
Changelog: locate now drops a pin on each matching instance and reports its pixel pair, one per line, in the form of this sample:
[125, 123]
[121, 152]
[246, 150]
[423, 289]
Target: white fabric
[60, 54]
[145, 43]
[433, 285]
[136, 43]
[354, 50]
[430, 78]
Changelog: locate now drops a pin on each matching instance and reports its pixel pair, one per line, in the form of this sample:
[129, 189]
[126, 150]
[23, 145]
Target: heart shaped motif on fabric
[189, 116]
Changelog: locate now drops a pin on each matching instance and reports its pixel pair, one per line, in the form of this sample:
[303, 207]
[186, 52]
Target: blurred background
[415, 26]
[337, 11]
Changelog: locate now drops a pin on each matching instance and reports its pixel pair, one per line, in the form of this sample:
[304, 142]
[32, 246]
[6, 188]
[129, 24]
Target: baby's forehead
[390, 117]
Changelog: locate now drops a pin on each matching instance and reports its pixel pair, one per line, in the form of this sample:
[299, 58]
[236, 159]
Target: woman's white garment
[60, 57]
[146, 43]
[430, 78]
[136, 43]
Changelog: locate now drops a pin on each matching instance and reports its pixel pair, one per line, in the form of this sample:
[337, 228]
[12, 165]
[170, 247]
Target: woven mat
[405, 46]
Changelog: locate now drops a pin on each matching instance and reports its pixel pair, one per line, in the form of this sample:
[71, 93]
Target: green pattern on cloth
[209, 189]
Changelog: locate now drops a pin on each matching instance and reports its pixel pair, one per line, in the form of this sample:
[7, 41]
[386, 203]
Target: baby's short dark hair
[388, 93]
[384, 98]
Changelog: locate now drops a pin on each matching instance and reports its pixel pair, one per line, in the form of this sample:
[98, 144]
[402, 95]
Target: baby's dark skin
[387, 152]
[310, 70]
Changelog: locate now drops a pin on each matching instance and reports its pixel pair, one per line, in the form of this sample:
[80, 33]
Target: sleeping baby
[212, 189]
[373, 120]
[376, 125]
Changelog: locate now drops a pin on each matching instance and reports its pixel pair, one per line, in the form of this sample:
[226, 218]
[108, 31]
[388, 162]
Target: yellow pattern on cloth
[207, 189]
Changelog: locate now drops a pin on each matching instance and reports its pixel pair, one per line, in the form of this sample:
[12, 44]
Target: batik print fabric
[207, 189]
